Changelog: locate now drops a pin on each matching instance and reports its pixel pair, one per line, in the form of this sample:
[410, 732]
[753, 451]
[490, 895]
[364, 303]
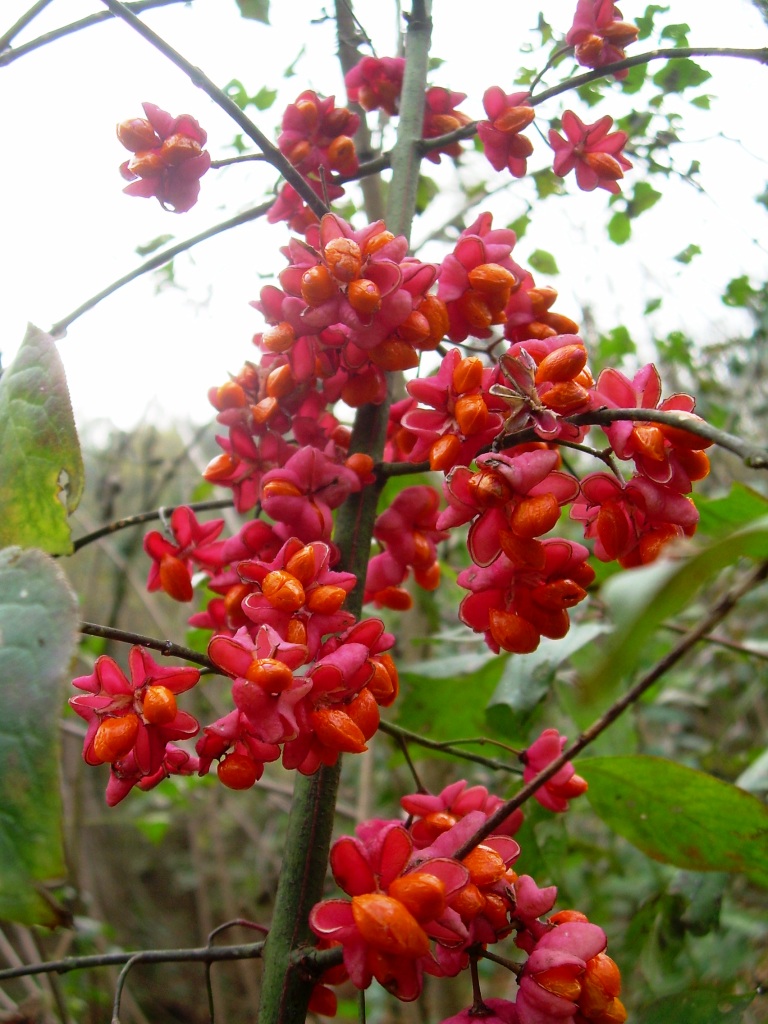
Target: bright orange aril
[471, 414]
[489, 489]
[514, 119]
[467, 375]
[386, 925]
[147, 163]
[394, 354]
[236, 771]
[137, 134]
[279, 338]
[384, 683]
[492, 281]
[364, 712]
[230, 396]
[535, 515]
[335, 729]
[444, 452]
[343, 258]
[342, 155]
[280, 489]
[436, 312]
[396, 598]
[302, 564]
[429, 578]
[605, 165]
[283, 590]
[360, 464]
[307, 111]
[565, 398]
[414, 329]
[219, 468]
[649, 441]
[326, 599]
[280, 382]
[364, 296]
[512, 632]
[270, 674]
[159, 705]
[317, 286]
[420, 893]
[562, 364]
[475, 310]
[264, 410]
[115, 737]
[177, 149]
[558, 595]
[561, 981]
[485, 865]
[375, 242]
[174, 578]
[469, 902]
[525, 553]
[296, 632]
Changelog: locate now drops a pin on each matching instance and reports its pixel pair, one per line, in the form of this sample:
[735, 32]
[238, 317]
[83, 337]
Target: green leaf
[696, 1006]
[676, 348]
[290, 71]
[264, 98]
[688, 253]
[426, 190]
[543, 261]
[645, 21]
[548, 183]
[739, 292]
[153, 246]
[651, 306]
[591, 93]
[703, 102]
[527, 678]
[613, 346]
[635, 79]
[520, 226]
[677, 33]
[446, 697]
[41, 468]
[719, 517]
[680, 816]
[256, 10]
[38, 622]
[679, 74]
[644, 196]
[619, 228]
[641, 599]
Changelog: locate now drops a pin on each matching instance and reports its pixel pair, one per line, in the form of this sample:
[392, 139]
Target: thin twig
[24, 20]
[147, 517]
[11, 55]
[166, 647]
[271, 153]
[752, 455]
[400, 734]
[671, 53]
[691, 638]
[201, 954]
[159, 260]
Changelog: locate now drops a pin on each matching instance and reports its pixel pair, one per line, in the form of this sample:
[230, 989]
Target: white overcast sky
[67, 229]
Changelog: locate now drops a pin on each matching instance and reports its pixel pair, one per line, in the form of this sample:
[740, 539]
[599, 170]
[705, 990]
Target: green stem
[286, 985]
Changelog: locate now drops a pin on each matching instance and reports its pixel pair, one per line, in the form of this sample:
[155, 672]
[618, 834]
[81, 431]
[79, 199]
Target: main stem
[285, 987]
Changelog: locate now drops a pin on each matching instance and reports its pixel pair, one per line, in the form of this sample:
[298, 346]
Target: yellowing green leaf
[38, 620]
[41, 468]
